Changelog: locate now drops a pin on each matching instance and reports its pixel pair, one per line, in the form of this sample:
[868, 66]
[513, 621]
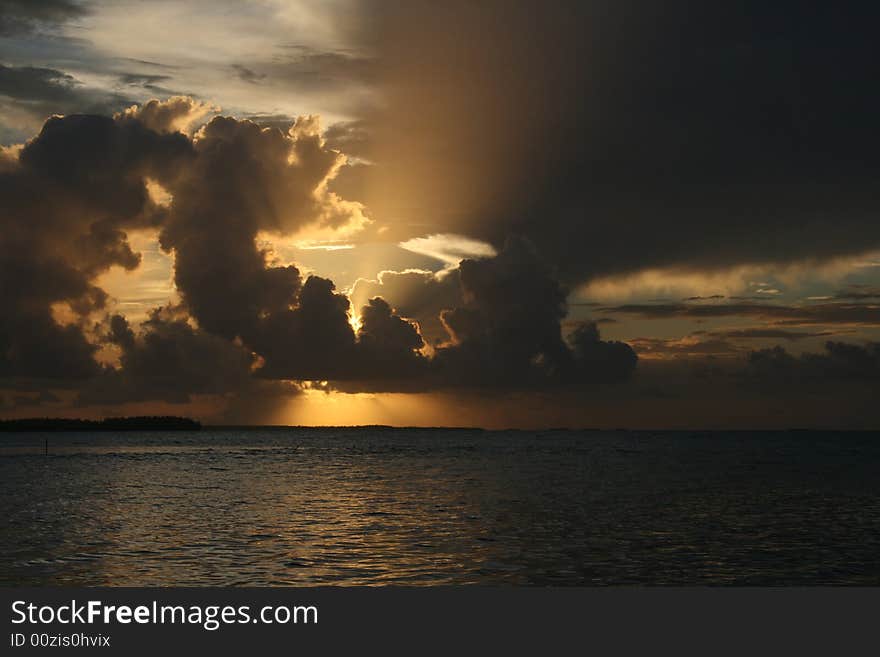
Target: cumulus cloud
[387, 343]
[493, 319]
[244, 180]
[508, 333]
[416, 294]
[501, 316]
[69, 195]
[176, 114]
[167, 360]
[677, 141]
[72, 193]
[315, 340]
[311, 340]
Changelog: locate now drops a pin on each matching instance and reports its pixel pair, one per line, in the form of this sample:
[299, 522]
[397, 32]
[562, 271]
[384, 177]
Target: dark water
[276, 507]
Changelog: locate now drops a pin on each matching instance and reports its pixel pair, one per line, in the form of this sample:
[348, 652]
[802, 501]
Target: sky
[498, 214]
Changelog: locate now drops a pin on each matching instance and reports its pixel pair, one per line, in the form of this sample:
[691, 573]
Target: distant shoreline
[141, 423]
[172, 424]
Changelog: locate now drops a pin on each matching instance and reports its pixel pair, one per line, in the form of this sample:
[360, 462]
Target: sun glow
[319, 408]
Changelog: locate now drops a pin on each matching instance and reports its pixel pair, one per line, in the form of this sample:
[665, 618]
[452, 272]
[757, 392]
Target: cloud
[152, 83]
[315, 340]
[147, 80]
[41, 92]
[859, 293]
[32, 83]
[29, 95]
[508, 333]
[598, 361]
[176, 114]
[351, 137]
[22, 16]
[312, 339]
[388, 345]
[247, 75]
[72, 193]
[245, 180]
[168, 360]
[502, 321]
[619, 137]
[416, 294]
[819, 313]
[248, 319]
[308, 68]
[448, 248]
[69, 196]
[840, 361]
[689, 347]
[762, 333]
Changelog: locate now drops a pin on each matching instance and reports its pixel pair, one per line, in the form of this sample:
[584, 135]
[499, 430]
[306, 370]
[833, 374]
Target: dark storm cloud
[68, 199]
[21, 16]
[625, 135]
[502, 319]
[508, 333]
[246, 179]
[315, 340]
[168, 360]
[72, 193]
[510, 325]
[598, 361]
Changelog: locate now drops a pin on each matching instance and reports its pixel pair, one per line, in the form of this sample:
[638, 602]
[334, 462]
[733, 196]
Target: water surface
[423, 507]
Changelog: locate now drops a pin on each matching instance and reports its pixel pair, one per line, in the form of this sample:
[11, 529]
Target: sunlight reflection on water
[412, 507]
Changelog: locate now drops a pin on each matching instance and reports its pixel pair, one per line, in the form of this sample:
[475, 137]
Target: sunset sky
[499, 214]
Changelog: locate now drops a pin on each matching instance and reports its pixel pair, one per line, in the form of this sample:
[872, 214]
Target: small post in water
[46, 447]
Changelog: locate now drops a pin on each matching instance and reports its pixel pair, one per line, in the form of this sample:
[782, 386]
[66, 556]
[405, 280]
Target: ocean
[374, 506]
